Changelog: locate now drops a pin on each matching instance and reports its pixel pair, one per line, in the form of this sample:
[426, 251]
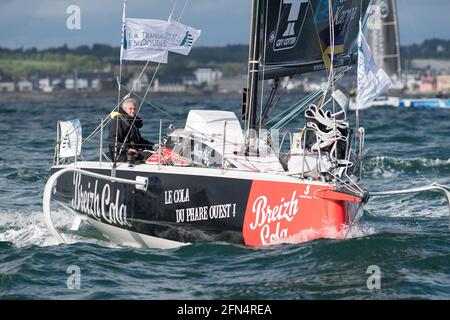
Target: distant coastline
[58, 95]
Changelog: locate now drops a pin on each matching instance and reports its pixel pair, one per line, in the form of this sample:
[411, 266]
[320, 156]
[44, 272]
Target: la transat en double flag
[150, 39]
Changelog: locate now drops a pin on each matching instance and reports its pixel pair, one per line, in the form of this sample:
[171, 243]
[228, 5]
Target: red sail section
[279, 210]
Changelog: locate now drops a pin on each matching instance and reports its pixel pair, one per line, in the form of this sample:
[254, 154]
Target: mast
[296, 37]
[397, 36]
[250, 114]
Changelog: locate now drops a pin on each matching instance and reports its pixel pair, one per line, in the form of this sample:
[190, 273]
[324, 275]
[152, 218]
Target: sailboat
[223, 179]
[384, 39]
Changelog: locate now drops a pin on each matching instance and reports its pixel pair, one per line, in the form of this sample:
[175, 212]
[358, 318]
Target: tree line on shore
[231, 59]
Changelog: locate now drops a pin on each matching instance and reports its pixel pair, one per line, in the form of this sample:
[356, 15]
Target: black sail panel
[383, 37]
[296, 34]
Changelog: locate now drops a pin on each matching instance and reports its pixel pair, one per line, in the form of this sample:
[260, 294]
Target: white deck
[194, 171]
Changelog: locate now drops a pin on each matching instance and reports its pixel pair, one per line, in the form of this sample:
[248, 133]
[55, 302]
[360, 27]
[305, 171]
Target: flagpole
[121, 48]
[357, 93]
[120, 85]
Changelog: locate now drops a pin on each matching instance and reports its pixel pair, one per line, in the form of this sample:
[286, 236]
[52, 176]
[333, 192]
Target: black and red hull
[185, 205]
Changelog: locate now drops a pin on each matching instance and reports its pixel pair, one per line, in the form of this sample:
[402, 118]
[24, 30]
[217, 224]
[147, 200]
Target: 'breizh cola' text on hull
[99, 205]
[267, 216]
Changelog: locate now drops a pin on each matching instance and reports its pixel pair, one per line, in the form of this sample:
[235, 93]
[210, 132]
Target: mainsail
[297, 34]
[384, 38]
[291, 37]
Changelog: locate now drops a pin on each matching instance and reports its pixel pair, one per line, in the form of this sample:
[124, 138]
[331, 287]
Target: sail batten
[273, 72]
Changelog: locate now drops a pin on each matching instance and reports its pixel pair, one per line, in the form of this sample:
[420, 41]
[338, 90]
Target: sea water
[401, 250]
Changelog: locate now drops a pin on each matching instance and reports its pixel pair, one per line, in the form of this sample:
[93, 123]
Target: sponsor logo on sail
[292, 16]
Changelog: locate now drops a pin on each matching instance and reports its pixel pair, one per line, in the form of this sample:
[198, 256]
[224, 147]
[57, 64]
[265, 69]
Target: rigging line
[397, 42]
[353, 221]
[120, 69]
[354, 183]
[105, 119]
[96, 131]
[108, 119]
[137, 113]
[332, 43]
[201, 134]
[290, 117]
[310, 97]
[173, 9]
[315, 27]
[297, 107]
[360, 9]
[159, 64]
[270, 110]
[294, 105]
[318, 35]
[351, 188]
[182, 11]
[331, 47]
[332, 40]
[117, 118]
[118, 106]
[280, 93]
[263, 63]
[151, 104]
[269, 104]
[122, 46]
[252, 64]
[145, 95]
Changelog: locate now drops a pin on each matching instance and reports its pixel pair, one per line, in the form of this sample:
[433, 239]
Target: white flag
[142, 54]
[149, 39]
[181, 37]
[71, 138]
[372, 80]
[139, 35]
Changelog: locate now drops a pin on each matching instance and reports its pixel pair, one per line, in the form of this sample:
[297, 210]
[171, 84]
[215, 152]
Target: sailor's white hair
[129, 100]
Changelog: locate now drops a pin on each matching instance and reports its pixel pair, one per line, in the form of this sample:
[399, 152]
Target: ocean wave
[23, 229]
[409, 206]
[391, 166]
[28, 175]
[348, 232]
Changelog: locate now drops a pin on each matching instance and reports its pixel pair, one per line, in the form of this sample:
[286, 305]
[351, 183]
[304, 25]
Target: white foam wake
[409, 206]
[356, 231]
[28, 228]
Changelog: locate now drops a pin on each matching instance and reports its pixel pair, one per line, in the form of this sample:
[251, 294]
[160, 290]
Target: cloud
[42, 23]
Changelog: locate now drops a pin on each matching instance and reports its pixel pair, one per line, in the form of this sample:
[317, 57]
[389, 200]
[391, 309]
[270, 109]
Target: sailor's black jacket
[120, 124]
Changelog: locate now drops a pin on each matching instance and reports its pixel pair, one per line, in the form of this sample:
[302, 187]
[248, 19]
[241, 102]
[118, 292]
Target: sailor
[126, 124]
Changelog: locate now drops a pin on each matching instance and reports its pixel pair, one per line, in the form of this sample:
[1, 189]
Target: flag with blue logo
[151, 39]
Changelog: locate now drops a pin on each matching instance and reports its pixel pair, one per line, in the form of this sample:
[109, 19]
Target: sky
[43, 23]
